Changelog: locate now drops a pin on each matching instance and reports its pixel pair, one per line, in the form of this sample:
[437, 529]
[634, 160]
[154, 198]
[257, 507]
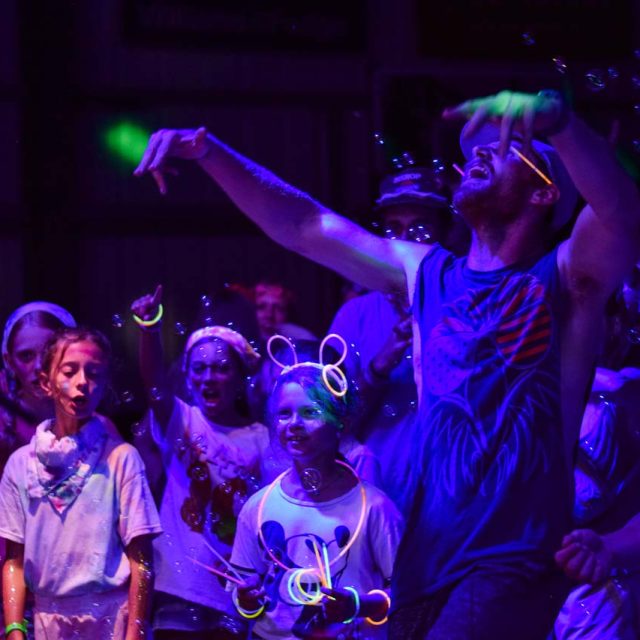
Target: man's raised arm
[605, 241]
[290, 217]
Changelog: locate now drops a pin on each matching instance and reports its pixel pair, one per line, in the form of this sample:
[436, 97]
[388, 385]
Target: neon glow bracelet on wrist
[16, 626]
[386, 615]
[249, 615]
[356, 603]
[146, 324]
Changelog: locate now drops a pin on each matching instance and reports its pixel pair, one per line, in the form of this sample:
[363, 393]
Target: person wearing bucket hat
[504, 346]
[203, 460]
[413, 206]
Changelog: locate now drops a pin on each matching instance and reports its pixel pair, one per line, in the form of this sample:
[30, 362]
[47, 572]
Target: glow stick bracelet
[386, 617]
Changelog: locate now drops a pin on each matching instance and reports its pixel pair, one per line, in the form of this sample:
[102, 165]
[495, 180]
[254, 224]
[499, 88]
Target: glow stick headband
[332, 376]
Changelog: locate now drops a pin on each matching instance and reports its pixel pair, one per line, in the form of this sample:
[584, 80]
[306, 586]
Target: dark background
[300, 87]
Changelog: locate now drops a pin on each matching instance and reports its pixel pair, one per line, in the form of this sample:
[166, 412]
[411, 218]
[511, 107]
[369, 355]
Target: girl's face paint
[214, 378]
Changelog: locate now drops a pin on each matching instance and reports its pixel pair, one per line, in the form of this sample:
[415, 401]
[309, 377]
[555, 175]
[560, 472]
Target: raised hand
[146, 307]
[186, 144]
[584, 557]
[393, 350]
[528, 114]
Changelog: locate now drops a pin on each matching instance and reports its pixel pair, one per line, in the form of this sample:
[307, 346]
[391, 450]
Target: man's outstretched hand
[527, 114]
[186, 144]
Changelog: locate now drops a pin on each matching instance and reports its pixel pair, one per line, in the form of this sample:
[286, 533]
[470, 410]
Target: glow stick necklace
[324, 572]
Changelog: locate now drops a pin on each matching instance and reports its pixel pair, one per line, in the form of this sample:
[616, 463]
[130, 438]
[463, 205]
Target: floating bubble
[613, 73]
[408, 159]
[205, 301]
[438, 166]
[389, 411]
[126, 397]
[231, 324]
[208, 321]
[156, 394]
[180, 328]
[636, 109]
[633, 335]
[596, 80]
[397, 163]
[560, 64]
[180, 446]
[375, 225]
[117, 321]
[528, 40]
[138, 429]
[378, 138]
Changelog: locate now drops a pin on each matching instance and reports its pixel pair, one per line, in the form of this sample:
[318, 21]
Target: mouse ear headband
[332, 376]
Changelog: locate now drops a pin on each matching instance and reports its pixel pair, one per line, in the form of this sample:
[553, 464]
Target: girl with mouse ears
[314, 550]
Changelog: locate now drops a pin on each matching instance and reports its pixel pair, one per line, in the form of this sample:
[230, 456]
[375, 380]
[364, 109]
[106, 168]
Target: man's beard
[488, 204]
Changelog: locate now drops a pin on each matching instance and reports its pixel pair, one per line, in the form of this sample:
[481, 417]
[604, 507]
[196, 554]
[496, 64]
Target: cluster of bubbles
[596, 80]
[403, 161]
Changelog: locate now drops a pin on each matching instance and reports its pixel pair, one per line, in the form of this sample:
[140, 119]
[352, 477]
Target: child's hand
[338, 605]
[147, 306]
[251, 595]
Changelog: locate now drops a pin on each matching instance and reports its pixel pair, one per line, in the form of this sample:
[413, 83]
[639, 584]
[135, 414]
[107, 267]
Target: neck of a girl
[66, 425]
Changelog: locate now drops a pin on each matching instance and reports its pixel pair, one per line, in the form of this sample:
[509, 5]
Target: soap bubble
[528, 40]
[613, 73]
[138, 429]
[180, 329]
[438, 166]
[126, 397]
[117, 321]
[389, 411]
[378, 138]
[156, 394]
[595, 80]
[205, 301]
[560, 64]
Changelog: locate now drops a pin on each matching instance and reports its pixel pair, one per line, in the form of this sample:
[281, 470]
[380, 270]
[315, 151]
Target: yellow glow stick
[530, 164]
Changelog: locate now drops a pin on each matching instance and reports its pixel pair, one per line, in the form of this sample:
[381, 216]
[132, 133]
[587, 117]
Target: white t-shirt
[289, 525]
[228, 449]
[81, 550]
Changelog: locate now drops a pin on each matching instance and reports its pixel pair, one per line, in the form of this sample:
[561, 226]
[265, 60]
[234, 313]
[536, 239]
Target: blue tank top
[493, 480]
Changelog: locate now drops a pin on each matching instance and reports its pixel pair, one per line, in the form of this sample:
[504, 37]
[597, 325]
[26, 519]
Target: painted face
[414, 223]
[26, 358]
[214, 378]
[301, 425]
[78, 378]
[271, 310]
